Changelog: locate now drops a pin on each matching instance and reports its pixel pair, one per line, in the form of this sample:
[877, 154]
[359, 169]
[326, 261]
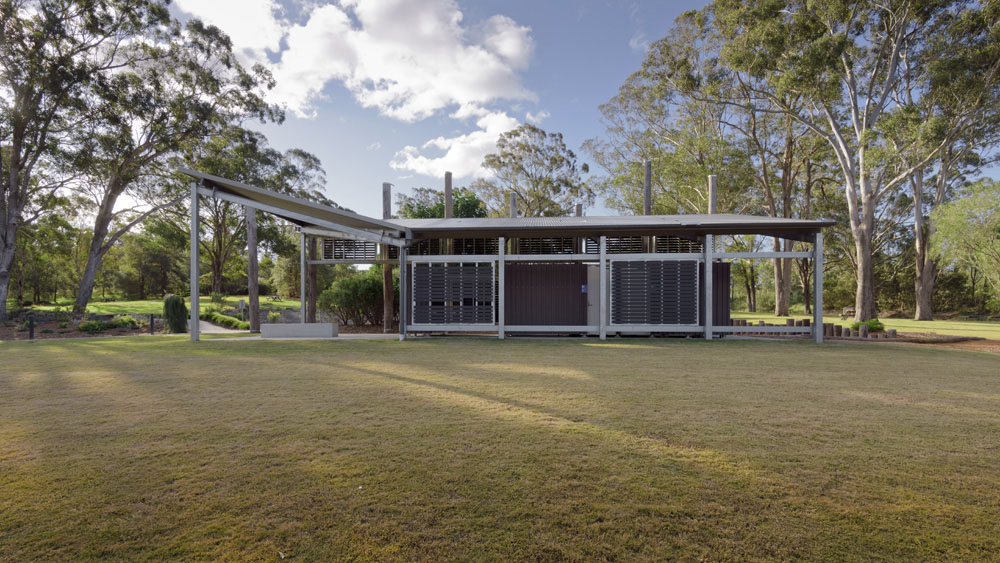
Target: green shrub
[273, 316]
[47, 331]
[225, 320]
[125, 321]
[175, 314]
[217, 301]
[874, 325]
[357, 298]
[92, 327]
[64, 325]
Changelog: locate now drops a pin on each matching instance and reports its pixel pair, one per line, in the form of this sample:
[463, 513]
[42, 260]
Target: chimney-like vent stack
[647, 188]
[447, 196]
[712, 194]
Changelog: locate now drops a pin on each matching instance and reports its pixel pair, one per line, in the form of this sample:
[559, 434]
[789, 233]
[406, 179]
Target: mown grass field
[155, 306]
[155, 448]
[957, 327]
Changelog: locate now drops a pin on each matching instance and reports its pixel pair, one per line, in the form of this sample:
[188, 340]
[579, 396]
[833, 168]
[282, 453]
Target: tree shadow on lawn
[216, 458]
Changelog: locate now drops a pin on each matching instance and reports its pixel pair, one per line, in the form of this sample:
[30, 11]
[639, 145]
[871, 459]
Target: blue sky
[400, 90]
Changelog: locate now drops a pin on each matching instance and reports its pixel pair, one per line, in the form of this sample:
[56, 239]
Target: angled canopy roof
[300, 211]
[325, 219]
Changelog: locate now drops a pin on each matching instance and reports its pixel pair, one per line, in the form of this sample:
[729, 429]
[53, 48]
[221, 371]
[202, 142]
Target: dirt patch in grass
[976, 346]
[467, 449]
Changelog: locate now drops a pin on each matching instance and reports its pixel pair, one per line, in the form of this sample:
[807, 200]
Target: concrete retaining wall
[299, 330]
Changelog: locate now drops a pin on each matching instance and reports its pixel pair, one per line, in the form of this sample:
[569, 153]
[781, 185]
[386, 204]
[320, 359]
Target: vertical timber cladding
[453, 293]
[654, 292]
[545, 294]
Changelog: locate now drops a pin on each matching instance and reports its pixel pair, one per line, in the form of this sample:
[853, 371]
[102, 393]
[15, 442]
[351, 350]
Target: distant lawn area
[155, 306]
[962, 327]
[155, 448]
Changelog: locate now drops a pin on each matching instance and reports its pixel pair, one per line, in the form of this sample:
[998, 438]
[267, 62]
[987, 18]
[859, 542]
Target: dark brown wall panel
[545, 294]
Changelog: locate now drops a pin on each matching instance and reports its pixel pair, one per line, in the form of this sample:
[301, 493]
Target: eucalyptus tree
[951, 99]
[245, 156]
[670, 113]
[845, 60]
[538, 168]
[51, 51]
[186, 85]
[685, 139]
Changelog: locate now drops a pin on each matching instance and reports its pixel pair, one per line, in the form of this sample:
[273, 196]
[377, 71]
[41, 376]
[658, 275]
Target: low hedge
[225, 320]
[874, 325]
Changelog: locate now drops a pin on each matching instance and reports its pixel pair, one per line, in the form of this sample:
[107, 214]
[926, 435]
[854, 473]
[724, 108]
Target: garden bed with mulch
[55, 330]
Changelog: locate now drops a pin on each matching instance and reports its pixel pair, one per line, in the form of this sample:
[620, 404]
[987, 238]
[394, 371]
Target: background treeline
[881, 116]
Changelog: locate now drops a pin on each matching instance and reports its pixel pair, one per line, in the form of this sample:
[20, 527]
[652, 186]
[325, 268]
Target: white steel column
[195, 310]
[604, 288]
[501, 266]
[818, 289]
[709, 294]
[403, 293]
[302, 276]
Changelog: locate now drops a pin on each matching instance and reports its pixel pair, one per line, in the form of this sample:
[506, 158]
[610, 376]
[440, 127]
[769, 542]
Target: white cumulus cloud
[406, 59]
[462, 154]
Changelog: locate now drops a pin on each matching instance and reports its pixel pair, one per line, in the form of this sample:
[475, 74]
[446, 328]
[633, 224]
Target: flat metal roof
[621, 225]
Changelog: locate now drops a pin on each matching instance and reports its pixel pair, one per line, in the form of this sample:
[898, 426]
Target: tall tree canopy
[51, 52]
[538, 168]
[186, 86]
[428, 203]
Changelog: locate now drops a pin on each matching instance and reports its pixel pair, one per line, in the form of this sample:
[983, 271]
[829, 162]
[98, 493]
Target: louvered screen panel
[667, 244]
[426, 247]
[548, 245]
[469, 246]
[453, 293]
[337, 249]
[654, 292]
[616, 245]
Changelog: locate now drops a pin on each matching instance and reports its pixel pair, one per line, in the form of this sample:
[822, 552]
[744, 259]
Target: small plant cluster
[225, 320]
[874, 325]
[97, 327]
[274, 316]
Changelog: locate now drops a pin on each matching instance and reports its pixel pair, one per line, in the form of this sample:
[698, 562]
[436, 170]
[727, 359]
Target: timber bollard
[892, 333]
[152, 324]
[31, 327]
[863, 331]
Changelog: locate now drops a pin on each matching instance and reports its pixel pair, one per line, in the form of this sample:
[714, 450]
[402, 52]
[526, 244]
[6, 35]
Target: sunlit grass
[468, 449]
[982, 329]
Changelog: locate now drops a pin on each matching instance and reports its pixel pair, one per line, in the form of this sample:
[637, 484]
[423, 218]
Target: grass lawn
[157, 448]
[983, 329]
[155, 306]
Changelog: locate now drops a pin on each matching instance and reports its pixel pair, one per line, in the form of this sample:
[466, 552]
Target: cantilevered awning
[302, 212]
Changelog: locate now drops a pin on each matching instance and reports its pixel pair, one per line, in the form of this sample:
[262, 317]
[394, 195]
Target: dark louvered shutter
[655, 292]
